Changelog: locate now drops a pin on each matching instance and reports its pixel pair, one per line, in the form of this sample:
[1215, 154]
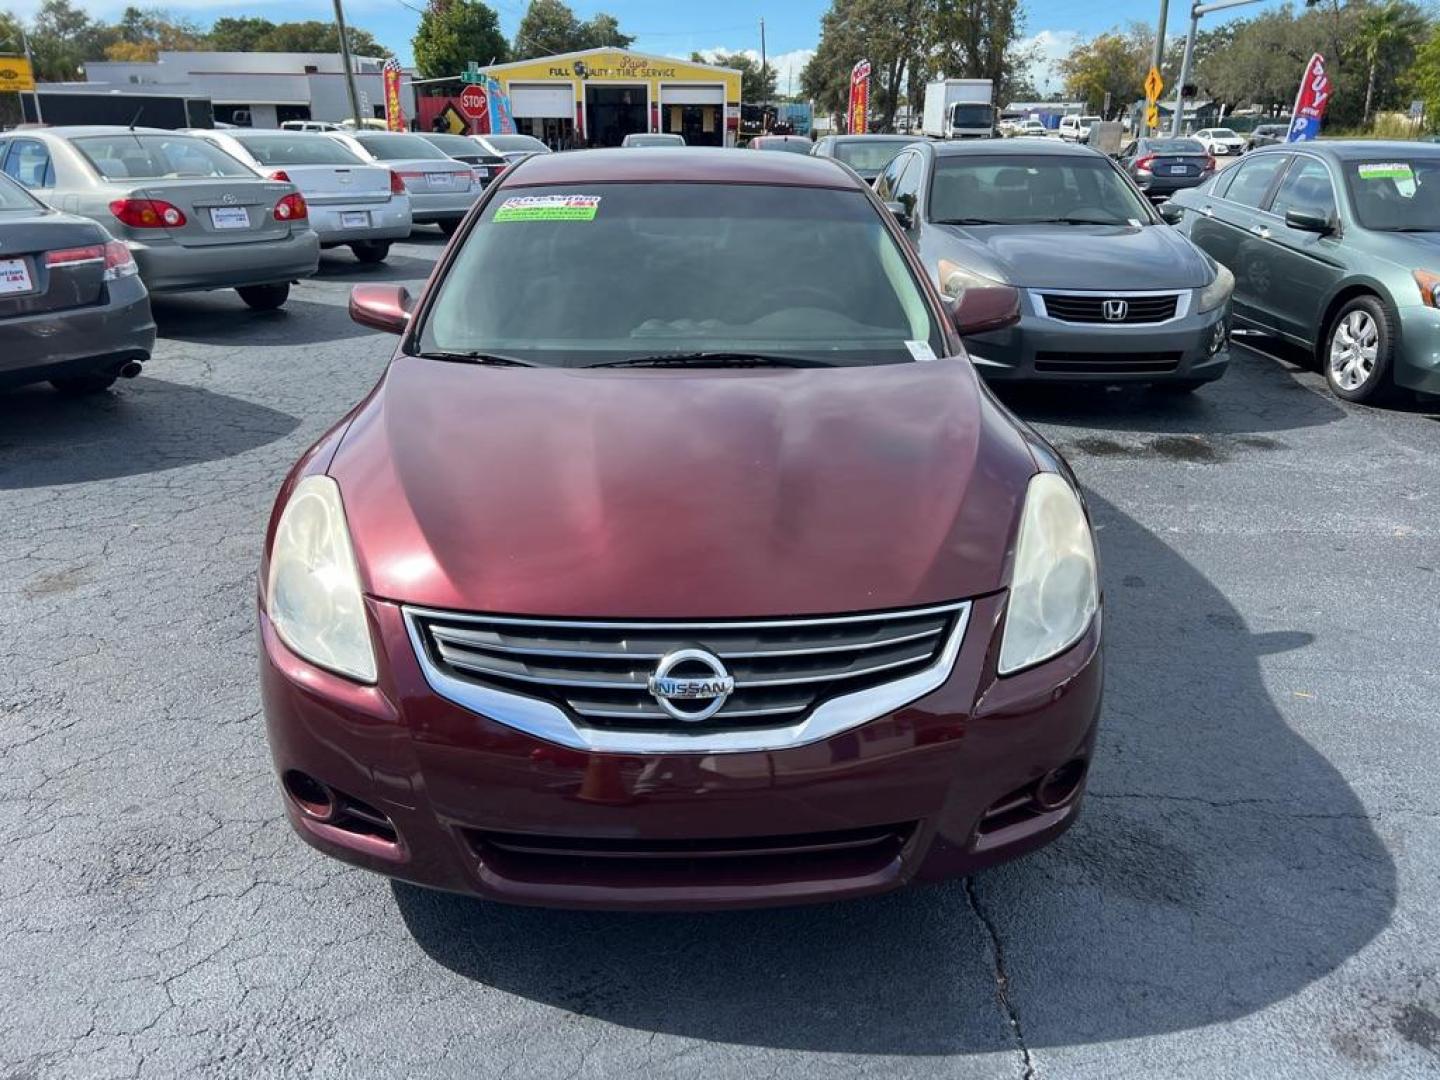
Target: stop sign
[473, 102]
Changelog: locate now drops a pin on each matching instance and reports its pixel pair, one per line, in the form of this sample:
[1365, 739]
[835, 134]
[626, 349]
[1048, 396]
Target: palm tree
[1380, 30]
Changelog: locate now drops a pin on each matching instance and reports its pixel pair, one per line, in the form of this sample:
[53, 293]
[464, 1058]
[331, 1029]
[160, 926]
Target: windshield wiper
[969, 221]
[711, 359]
[462, 357]
[1075, 221]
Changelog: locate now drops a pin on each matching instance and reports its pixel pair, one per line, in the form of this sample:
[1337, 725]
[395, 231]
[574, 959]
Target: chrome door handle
[1208, 211]
[1260, 231]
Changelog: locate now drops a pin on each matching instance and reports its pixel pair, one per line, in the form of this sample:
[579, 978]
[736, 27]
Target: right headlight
[313, 594]
[1054, 591]
[1218, 291]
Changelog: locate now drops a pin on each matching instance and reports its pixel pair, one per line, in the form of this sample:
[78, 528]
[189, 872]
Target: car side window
[907, 188]
[1306, 187]
[1129, 150]
[885, 186]
[28, 163]
[1254, 178]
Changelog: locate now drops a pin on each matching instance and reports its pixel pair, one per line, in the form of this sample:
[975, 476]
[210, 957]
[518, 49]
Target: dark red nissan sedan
[679, 560]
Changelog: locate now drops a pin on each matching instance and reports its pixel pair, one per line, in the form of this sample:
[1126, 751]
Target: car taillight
[479, 174]
[118, 261]
[73, 256]
[291, 208]
[278, 174]
[1142, 164]
[148, 213]
[397, 184]
[1209, 163]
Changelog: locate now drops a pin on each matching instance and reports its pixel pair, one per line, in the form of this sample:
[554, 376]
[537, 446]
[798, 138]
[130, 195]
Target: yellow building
[598, 96]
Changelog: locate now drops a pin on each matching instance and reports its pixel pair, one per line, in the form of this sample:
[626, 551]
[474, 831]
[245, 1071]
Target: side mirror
[1309, 221]
[901, 213]
[1173, 215]
[381, 307]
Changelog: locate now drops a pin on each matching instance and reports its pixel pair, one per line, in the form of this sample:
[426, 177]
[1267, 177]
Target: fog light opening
[1059, 787]
[315, 800]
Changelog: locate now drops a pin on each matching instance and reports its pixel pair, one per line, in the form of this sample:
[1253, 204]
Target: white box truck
[959, 109]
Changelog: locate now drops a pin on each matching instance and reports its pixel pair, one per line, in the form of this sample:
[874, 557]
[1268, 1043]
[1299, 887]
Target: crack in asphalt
[1002, 980]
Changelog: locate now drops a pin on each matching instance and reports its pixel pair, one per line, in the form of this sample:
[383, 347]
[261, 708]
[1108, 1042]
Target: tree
[1424, 81]
[63, 37]
[318, 37]
[603, 32]
[1109, 65]
[454, 32]
[755, 87]
[892, 35]
[239, 34]
[142, 34]
[550, 28]
[1383, 31]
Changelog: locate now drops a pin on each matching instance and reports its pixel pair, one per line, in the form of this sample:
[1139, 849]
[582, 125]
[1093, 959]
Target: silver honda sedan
[192, 216]
[441, 188]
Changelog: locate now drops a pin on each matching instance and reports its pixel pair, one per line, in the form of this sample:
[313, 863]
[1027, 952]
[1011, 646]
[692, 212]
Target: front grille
[599, 671]
[1091, 309]
[1108, 363]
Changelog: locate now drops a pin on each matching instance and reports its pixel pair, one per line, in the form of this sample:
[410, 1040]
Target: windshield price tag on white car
[229, 217]
[14, 276]
[921, 351]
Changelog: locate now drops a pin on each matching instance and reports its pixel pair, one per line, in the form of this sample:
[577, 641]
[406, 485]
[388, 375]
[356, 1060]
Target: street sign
[1153, 85]
[1152, 116]
[471, 75]
[15, 74]
[1417, 110]
[473, 102]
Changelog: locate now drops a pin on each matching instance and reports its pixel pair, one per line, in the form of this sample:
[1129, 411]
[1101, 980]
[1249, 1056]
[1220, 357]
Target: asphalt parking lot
[1252, 890]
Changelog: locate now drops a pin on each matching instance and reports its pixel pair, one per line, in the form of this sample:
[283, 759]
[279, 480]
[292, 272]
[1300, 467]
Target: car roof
[983, 147]
[875, 136]
[701, 164]
[70, 131]
[1356, 149]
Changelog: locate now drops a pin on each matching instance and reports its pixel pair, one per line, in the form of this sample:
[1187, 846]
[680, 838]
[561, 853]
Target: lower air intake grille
[1109, 363]
[600, 672]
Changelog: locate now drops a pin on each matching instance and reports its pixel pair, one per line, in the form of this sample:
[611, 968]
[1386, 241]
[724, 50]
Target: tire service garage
[598, 96]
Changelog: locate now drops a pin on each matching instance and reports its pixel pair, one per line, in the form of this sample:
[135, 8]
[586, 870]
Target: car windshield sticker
[1386, 170]
[549, 208]
[921, 351]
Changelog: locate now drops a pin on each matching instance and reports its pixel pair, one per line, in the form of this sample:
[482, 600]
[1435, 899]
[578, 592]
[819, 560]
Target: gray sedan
[192, 216]
[441, 189]
[1075, 274]
[72, 307]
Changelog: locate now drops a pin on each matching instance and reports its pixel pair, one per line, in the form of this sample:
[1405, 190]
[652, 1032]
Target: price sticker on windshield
[549, 208]
[1386, 170]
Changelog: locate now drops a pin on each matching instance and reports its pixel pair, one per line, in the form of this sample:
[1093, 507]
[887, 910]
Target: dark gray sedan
[72, 307]
[1076, 273]
[866, 154]
[1161, 167]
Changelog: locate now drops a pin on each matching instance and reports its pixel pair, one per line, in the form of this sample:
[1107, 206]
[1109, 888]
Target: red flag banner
[394, 111]
[860, 98]
[1310, 102]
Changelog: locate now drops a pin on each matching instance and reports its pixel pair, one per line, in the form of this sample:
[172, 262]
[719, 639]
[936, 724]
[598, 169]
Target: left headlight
[1218, 291]
[1054, 591]
[313, 594]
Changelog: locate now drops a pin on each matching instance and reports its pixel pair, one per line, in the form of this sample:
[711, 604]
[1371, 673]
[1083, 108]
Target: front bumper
[1417, 357]
[1042, 349]
[428, 209]
[79, 341]
[935, 789]
[169, 267]
[1168, 185]
[388, 220]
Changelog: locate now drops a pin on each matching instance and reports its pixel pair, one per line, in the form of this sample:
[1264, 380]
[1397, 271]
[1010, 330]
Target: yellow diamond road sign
[15, 74]
[1152, 117]
[1153, 85]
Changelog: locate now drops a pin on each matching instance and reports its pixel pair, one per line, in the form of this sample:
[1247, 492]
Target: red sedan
[679, 560]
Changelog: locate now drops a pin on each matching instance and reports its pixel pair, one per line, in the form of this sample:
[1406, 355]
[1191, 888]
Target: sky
[678, 27]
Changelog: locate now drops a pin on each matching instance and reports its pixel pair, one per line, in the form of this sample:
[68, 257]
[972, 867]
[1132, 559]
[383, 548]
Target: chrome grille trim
[797, 724]
[1182, 305]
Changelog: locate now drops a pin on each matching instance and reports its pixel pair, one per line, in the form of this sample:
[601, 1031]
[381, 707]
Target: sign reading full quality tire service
[1310, 102]
[860, 98]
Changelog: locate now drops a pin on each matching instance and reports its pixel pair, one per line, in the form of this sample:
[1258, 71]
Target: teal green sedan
[1335, 246]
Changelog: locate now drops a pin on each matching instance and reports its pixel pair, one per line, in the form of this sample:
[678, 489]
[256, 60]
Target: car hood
[647, 493]
[1080, 256]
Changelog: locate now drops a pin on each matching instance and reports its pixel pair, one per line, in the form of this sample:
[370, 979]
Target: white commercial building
[258, 89]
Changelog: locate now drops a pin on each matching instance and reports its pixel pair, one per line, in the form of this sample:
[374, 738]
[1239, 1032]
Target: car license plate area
[229, 217]
[439, 179]
[355, 219]
[1179, 170]
[15, 277]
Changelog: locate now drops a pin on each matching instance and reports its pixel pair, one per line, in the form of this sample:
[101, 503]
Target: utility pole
[764, 80]
[1195, 12]
[349, 67]
[1158, 55]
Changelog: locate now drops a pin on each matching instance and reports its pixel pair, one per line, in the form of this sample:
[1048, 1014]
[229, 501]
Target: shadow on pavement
[1221, 865]
[340, 267]
[143, 425]
[222, 319]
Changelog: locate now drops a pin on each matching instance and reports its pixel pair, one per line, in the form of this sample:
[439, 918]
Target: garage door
[542, 100]
[681, 94]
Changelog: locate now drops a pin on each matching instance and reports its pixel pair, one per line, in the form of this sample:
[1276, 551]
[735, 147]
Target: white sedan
[1220, 141]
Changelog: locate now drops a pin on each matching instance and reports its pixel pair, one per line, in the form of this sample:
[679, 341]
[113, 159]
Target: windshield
[1087, 121]
[279, 148]
[783, 143]
[454, 144]
[1223, 133]
[14, 197]
[156, 157]
[595, 273]
[1397, 194]
[397, 147]
[509, 144]
[654, 140]
[1172, 146]
[1016, 189]
[869, 155]
[966, 115]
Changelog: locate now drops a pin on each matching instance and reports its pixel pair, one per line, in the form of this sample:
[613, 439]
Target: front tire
[1358, 351]
[371, 251]
[83, 385]
[264, 297]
